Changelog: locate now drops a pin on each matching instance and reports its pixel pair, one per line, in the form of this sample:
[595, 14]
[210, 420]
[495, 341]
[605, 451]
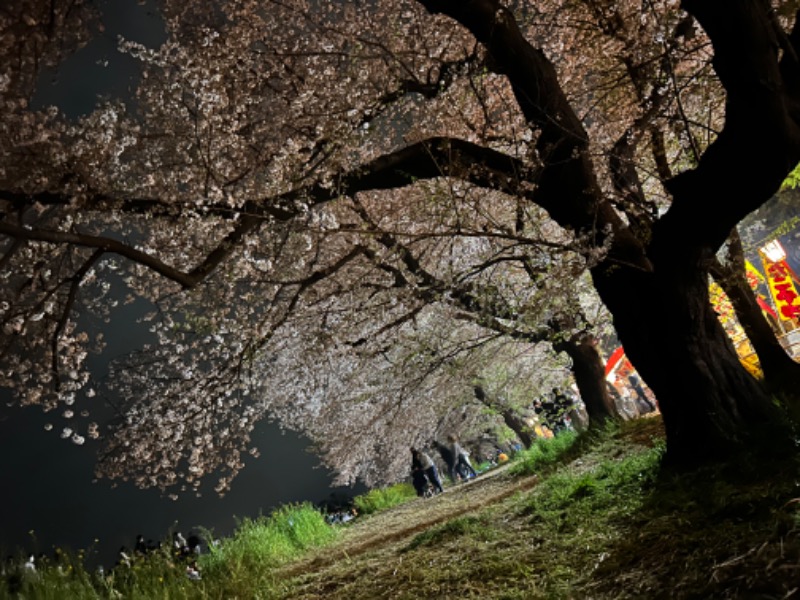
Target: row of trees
[344, 214]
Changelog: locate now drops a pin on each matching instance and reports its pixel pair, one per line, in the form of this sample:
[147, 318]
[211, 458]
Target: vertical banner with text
[784, 294]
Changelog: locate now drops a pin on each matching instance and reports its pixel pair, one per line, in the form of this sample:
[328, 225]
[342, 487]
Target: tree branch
[75, 282]
[759, 144]
[436, 157]
[103, 243]
[567, 186]
[470, 298]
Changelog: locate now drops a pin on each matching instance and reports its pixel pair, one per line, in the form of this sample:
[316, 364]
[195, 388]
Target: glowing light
[774, 251]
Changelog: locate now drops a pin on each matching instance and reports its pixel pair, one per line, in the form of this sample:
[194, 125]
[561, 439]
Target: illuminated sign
[779, 277]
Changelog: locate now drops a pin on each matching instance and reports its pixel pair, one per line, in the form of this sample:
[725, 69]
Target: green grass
[239, 567]
[468, 526]
[609, 484]
[245, 561]
[543, 453]
[602, 518]
[383, 498]
[540, 544]
[275, 539]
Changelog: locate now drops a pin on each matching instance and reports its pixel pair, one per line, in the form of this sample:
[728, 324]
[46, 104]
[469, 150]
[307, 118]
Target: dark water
[48, 498]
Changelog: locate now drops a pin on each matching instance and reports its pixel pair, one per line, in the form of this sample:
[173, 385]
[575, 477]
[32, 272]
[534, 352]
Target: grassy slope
[594, 519]
[604, 523]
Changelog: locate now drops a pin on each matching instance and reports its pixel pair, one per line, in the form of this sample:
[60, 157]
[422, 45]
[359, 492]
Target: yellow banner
[720, 303]
[727, 316]
[782, 288]
[754, 276]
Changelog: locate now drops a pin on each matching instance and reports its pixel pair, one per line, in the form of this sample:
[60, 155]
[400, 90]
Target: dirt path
[386, 528]
[406, 520]
[374, 556]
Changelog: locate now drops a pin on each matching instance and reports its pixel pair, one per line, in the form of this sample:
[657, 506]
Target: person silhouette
[462, 466]
[422, 463]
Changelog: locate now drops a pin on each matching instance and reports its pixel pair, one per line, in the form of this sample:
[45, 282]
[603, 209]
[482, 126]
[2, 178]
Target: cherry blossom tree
[307, 194]
[714, 406]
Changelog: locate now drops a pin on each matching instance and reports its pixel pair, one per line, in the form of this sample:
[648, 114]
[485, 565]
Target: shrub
[542, 453]
[383, 498]
[273, 540]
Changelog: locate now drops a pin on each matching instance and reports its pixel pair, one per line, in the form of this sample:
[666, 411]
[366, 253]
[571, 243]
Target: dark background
[48, 496]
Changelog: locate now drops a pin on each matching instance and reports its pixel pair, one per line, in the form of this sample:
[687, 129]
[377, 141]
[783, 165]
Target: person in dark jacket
[462, 466]
[422, 464]
[448, 457]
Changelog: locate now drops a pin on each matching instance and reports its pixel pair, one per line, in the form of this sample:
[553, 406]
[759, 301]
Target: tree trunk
[517, 425]
[589, 373]
[657, 287]
[512, 420]
[710, 404]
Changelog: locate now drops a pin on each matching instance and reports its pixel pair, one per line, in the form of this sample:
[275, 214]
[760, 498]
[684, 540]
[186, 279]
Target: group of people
[340, 517]
[183, 549]
[553, 411]
[631, 398]
[184, 552]
[424, 474]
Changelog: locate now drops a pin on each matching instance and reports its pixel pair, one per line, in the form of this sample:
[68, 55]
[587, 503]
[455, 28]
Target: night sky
[48, 495]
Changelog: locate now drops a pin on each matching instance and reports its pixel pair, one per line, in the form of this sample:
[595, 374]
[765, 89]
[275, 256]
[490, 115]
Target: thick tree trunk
[657, 287]
[710, 404]
[589, 373]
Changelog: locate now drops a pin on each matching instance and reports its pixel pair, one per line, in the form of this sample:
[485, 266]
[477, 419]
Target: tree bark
[710, 404]
[656, 287]
[518, 426]
[589, 373]
[512, 420]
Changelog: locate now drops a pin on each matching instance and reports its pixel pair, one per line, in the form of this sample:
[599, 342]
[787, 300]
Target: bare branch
[75, 283]
[103, 243]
